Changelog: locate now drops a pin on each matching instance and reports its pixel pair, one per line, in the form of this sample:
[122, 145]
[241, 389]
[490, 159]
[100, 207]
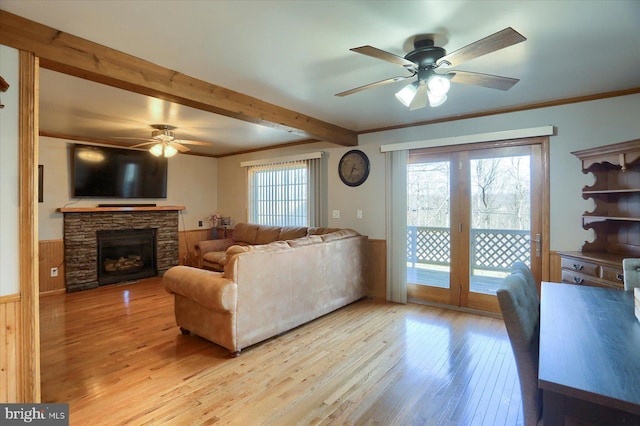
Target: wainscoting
[187, 241]
[10, 312]
[378, 268]
[51, 255]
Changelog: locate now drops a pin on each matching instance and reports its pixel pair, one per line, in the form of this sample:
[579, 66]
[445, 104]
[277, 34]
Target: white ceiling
[295, 54]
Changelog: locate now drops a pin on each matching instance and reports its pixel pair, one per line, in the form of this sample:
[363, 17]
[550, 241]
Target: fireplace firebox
[125, 255]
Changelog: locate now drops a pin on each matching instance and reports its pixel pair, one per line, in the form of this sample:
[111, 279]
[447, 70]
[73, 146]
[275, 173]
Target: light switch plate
[336, 214]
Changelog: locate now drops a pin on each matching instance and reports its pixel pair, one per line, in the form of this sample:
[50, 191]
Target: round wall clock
[354, 167]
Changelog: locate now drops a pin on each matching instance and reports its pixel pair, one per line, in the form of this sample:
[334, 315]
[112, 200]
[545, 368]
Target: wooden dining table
[589, 367]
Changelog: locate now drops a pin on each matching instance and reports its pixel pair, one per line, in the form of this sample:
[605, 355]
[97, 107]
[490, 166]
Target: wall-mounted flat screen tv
[107, 172]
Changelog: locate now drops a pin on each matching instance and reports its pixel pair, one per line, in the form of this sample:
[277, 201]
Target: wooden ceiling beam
[73, 55]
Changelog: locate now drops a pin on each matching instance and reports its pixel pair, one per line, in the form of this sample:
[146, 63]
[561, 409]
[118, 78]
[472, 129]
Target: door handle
[538, 241]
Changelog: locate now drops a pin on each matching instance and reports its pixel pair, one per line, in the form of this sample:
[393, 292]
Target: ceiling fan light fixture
[156, 150]
[170, 151]
[407, 93]
[163, 149]
[436, 101]
[438, 85]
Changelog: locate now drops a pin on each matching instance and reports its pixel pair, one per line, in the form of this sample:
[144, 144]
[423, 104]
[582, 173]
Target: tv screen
[117, 173]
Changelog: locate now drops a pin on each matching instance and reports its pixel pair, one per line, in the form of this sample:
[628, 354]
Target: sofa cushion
[338, 235]
[320, 231]
[275, 245]
[245, 232]
[267, 234]
[305, 241]
[292, 232]
[214, 256]
[237, 248]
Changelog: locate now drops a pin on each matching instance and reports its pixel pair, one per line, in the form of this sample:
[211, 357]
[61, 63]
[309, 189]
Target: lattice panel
[428, 245]
[499, 250]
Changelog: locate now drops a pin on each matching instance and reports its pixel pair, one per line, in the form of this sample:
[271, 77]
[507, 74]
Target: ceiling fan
[164, 143]
[426, 61]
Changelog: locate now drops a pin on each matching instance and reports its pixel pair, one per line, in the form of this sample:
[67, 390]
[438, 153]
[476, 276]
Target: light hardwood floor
[117, 357]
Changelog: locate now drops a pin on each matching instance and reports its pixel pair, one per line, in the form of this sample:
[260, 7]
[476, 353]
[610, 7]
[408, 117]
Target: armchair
[209, 253]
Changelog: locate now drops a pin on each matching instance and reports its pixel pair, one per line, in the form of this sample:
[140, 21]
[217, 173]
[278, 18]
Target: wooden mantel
[119, 209]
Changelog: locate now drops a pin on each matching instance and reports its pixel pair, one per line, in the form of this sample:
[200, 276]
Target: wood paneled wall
[51, 255]
[377, 268]
[187, 240]
[10, 336]
[555, 267]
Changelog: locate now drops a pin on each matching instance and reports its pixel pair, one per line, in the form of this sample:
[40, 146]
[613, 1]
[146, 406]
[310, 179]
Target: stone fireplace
[83, 226]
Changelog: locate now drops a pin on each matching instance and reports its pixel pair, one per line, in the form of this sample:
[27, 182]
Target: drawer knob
[620, 276]
[578, 280]
[577, 266]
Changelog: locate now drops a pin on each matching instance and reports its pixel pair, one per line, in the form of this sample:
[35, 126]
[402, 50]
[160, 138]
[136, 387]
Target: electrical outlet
[336, 214]
[54, 272]
[200, 223]
[358, 214]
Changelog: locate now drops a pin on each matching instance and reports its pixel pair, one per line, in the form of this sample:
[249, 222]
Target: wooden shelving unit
[615, 219]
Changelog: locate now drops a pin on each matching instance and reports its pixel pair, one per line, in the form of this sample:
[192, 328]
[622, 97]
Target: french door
[471, 214]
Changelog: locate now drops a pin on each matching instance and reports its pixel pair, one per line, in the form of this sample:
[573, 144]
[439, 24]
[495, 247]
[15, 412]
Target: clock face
[354, 168]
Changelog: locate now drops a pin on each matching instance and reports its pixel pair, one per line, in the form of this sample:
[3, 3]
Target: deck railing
[491, 249]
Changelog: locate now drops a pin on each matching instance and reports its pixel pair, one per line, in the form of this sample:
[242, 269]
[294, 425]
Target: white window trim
[287, 159]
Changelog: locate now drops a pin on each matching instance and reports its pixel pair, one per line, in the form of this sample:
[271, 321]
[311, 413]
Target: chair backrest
[521, 314]
[532, 286]
[631, 268]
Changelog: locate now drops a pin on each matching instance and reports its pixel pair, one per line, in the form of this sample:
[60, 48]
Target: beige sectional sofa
[267, 289]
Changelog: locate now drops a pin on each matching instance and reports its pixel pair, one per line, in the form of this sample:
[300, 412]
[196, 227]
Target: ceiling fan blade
[376, 84]
[420, 99]
[143, 144]
[385, 56]
[485, 80]
[130, 138]
[500, 40]
[190, 142]
[180, 147]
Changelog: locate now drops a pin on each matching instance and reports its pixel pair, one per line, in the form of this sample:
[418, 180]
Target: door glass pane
[500, 219]
[428, 223]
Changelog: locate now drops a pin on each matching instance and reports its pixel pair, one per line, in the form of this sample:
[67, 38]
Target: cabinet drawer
[580, 266]
[579, 279]
[612, 274]
[570, 277]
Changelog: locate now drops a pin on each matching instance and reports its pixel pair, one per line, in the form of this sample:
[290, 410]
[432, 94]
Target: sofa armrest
[207, 288]
[205, 246]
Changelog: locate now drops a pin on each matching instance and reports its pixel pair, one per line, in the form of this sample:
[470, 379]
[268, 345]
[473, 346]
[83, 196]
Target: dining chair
[521, 314]
[631, 271]
[532, 286]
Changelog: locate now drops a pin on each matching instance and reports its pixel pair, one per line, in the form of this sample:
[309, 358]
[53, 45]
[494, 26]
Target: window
[285, 192]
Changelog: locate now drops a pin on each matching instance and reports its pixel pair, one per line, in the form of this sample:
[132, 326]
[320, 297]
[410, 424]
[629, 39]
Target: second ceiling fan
[164, 143]
[426, 60]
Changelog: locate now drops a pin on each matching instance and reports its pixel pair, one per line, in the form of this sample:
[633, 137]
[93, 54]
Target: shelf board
[610, 191]
[591, 219]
